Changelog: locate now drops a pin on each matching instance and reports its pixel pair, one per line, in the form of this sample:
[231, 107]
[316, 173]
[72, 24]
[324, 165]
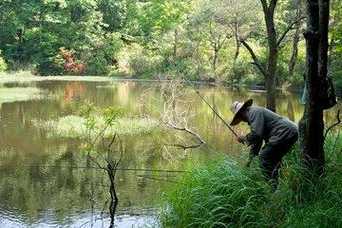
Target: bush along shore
[226, 194]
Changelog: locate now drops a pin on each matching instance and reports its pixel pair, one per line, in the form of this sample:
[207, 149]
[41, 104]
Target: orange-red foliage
[70, 65]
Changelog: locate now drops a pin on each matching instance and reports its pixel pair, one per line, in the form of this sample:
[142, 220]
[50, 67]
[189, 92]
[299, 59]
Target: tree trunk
[111, 171]
[294, 55]
[272, 60]
[198, 60]
[296, 39]
[312, 124]
[175, 45]
[215, 57]
[236, 75]
[237, 41]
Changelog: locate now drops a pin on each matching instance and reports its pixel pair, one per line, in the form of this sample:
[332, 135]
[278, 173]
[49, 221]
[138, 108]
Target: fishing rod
[229, 127]
[217, 114]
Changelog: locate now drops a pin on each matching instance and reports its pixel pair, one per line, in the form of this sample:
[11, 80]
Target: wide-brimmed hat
[238, 107]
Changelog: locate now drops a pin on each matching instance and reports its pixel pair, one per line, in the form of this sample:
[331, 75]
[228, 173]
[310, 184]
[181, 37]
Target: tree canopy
[158, 38]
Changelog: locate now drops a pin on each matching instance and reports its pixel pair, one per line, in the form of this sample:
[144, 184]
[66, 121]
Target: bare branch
[225, 38]
[254, 57]
[176, 118]
[187, 130]
[288, 29]
[96, 162]
[102, 132]
[111, 142]
[186, 147]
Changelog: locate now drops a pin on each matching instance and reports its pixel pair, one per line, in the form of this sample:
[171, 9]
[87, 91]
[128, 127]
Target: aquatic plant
[8, 95]
[224, 194]
[78, 127]
[26, 76]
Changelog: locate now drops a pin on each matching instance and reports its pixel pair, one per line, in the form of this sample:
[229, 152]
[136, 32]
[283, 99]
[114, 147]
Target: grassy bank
[225, 194]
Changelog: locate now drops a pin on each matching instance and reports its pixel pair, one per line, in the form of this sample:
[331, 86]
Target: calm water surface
[47, 182]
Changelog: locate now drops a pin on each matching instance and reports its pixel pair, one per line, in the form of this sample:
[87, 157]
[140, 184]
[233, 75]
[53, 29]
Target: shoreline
[26, 77]
[22, 78]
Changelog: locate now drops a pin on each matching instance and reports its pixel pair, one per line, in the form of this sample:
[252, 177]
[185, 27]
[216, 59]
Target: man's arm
[255, 145]
[255, 138]
[255, 142]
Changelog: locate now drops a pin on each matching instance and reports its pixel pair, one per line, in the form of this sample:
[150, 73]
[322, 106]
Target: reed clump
[73, 126]
[226, 194]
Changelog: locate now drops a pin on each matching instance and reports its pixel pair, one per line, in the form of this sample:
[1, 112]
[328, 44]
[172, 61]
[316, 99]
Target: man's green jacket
[268, 126]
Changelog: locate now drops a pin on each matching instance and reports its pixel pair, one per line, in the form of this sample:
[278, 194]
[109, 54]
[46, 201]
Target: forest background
[159, 39]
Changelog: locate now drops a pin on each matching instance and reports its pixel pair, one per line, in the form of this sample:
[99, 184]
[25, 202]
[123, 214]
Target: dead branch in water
[176, 115]
[187, 130]
[111, 167]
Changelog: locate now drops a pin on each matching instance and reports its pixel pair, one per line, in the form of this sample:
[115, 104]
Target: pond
[45, 178]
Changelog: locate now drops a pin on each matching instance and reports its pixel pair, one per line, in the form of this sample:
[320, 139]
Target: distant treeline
[192, 39]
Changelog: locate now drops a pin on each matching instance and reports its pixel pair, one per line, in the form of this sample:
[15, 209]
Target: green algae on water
[8, 95]
[73, 126]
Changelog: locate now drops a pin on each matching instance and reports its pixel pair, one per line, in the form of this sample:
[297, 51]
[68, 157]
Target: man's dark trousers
[271, 156]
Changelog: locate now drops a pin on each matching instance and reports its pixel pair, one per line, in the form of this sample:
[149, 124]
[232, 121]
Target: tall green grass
[225, 194]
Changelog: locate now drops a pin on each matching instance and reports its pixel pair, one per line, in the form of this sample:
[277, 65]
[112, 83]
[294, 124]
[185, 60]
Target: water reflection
[73, 91]
[49, 182]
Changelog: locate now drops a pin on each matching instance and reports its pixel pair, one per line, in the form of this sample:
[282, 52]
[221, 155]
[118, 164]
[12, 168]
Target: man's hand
[250, 160]
[241, 139]
[248, 164]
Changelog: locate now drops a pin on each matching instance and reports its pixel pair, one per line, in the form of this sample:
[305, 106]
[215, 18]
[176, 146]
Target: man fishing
[279, 134]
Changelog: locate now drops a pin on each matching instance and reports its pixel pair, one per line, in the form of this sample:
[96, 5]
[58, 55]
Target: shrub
[144, 64]
[102, 57]
[239, 72]
[185, 68]
[97, 65]
[40, 49]
[140, 65]
[49, 67]
[3, 65]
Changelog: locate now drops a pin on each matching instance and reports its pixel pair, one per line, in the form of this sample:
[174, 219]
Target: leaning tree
[274, 40]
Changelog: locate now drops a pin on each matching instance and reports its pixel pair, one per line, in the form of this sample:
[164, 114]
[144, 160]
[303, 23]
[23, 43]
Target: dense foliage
[3, 65]
[336, 43]
[195, 40]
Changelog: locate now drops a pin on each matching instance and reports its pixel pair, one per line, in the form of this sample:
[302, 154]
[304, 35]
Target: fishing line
[92, 167]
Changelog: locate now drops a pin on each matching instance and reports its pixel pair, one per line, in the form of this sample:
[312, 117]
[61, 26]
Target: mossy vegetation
[73, 126]
[27, 76]
[8, 95]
